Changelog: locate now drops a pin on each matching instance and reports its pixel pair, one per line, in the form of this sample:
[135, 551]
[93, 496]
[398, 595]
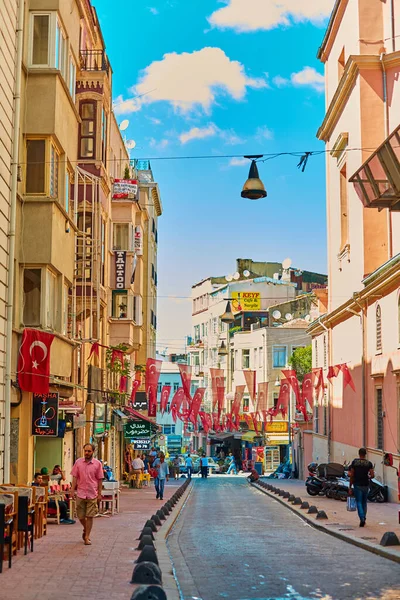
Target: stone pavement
[61, 566]
[380, 517]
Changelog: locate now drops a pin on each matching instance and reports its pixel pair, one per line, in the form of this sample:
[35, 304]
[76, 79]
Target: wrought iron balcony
[94, 60]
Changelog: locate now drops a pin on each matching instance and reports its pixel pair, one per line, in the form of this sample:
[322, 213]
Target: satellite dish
[236, 276]
[124, 125]
[246, 273]
[229, 277]
[276, 314]
[287, 263]
[308, 318]
[131, 144]
[288, 316]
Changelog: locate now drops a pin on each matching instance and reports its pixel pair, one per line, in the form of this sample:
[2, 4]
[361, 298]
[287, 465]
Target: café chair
[7, 533]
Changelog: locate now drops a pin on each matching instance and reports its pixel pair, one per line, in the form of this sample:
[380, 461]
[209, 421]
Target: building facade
[361, 325]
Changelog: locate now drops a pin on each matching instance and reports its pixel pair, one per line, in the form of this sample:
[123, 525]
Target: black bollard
[297, 501]
[156, 520]
[151, 524]
[145, 541]
[313, 510]
[149, 592]
[147, 572]
[148, 554]
[160, 514]
[146, 531]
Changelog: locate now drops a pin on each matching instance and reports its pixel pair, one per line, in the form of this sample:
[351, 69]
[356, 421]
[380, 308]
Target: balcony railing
[94, 60]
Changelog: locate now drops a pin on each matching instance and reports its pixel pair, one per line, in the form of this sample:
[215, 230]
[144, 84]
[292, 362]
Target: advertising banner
[125, 189]
[245, 301]
[138, 241]
[120, 269]
[137, 429]
[45, 414]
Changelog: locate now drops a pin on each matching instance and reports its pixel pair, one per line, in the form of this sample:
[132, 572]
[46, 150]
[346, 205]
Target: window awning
[377, 181]
[132, 413]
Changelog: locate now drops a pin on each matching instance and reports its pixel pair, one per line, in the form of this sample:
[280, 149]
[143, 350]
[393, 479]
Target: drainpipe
[393, 20]
[11, 238]
[329, 396]
[386, 119]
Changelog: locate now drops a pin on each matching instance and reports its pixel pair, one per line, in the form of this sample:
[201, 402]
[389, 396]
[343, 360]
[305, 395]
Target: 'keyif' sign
[120, 267]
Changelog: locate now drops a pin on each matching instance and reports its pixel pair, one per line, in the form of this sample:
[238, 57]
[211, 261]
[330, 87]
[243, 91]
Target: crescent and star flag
[319, 376]
[250, 377]
[176, 403]
[255, 422]
[186, 376]
[291, 376]
[196, 404]
[262, 397]
[165, 393]
[237, 402]
[217, 376]
[34, 361]
[308, 390]
[347, 378]
[153, 370]
[135, 386]
[117, 355]
[284, 396]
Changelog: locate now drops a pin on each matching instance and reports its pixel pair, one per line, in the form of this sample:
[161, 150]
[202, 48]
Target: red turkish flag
[262, 397]
[319, 375]
[94, 350]
[176, 403]
[291, 376]
[196, 404]
[186, 376]
[347, 378]
[237, 401]
[308, 389]
[284, 397]
[255, 422]
[250, 377]
[34, 361]
[165, 393]
[153, 369]
[333, 372]
[135, 386]
[217, 381]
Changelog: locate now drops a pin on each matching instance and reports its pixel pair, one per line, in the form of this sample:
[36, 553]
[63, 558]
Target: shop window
[36, 166]
[378, 329]
[120, 305]
[379, 418]
[32, 297]
[87, 129]
[279, 357]
[245, 359]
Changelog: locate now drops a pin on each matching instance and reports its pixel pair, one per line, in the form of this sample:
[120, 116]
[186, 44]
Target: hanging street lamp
[228, 316]
[222, 350]
[254, 188]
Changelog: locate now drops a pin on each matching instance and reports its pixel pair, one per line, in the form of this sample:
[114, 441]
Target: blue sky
[228, 77]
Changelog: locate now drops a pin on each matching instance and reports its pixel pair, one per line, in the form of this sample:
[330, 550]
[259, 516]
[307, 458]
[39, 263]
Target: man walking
[137, 470]
[87, 480]
[361, 471]
[189, 466]
[162, 475]
[204, 467]
[232, 464]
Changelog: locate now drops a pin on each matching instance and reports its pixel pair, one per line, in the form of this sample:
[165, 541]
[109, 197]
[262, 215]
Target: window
[103, 251]
[103, 136]
[325, 354]
[40, 44]
[261, 357]
[32, 296]
[176, 387]
[279, 357]
[196, 333]
[54, 171]
[378, 329]
[67, 190]
[122, 236]
[51, 300]
[237, 366]
[275, 399]
[325, 414]
[379, 419]
[72, 77]
[60, 50]
[245, 359]
[87, 129]
[255, 358]
[120, 305]
[168, 429]
[66, 308]
[316, 352]
[36, 165]
[344, 209]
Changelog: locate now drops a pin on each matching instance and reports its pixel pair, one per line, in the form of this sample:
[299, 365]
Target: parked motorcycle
[322, 479]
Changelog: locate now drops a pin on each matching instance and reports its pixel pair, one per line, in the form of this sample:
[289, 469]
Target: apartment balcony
[377, 181]
[94, 60]
[125, 331]
[95, 73]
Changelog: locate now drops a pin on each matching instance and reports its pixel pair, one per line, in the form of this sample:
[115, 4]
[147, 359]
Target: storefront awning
[220, 437]
[72, 408]
[132, 413]
[249, 436]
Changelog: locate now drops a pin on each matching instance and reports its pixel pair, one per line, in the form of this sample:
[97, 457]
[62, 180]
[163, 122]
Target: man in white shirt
[189, 465]
[137, 468]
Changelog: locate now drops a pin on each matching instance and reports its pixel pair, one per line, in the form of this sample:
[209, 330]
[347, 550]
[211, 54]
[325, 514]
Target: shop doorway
[272, 458]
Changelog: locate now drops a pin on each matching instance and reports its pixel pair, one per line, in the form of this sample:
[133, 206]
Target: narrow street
[232, 541]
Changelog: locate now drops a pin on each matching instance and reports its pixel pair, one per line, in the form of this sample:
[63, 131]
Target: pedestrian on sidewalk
[137, 469]
[204, 467]
[232, 464]
[189, 465]
[176, 463]
[361, 471]
[87, 481]
[162, 475]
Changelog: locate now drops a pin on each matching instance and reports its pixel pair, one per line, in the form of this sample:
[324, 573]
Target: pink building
[361, 328]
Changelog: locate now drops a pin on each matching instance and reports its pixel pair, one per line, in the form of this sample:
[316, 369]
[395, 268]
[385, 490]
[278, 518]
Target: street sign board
[137, 429]
[141, 444]
[45, 414]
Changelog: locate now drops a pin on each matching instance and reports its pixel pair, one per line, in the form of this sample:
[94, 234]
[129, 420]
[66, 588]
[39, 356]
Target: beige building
[8, 54]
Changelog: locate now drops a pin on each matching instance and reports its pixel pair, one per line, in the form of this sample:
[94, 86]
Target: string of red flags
[250, 377]
[34, 361]
[153, 370]
[347, 378]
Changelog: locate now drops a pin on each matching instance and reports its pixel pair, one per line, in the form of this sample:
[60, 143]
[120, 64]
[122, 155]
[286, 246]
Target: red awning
[131, 412]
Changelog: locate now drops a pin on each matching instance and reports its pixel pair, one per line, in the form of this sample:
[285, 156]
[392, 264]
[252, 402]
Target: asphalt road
[232, 541]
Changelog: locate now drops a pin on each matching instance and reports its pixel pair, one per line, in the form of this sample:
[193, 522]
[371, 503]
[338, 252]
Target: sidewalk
[61, 566]
[380, 518]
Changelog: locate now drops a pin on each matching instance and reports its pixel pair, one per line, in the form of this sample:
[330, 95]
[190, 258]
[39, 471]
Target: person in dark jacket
[361, 471]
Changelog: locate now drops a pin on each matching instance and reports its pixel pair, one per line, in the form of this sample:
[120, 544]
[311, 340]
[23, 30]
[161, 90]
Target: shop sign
[79, 421]
[137, 429]
[125, 189]
[138, 241]
[245, 301]
[141, 444]
[45, 414]
[276, 427]
[120, 269]
[140, 402]
[277, 443]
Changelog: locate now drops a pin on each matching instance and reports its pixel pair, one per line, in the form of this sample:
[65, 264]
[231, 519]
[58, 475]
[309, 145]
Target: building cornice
[333, 25]
[354, 65]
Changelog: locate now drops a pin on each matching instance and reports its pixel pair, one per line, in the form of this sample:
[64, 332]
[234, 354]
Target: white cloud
[231, 138]
[309, 77]
[125, 107]
[198, 133]
[263, 133]
[153, 10]
[254, 15]
[192, 81]
[158, 144]
[280, 81]
[154, 120]
[239, 162]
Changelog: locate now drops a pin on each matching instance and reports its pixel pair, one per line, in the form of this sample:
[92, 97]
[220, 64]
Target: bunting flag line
[250, 377]
[221, 397]
[308, 392]
[123, 383]
[262, 397]
[186, 377]
[319, 376]
[165, 393]
[291, 376]
[153, 370]
[347, 378]
[117, 355]
[94, 350]
[217, 381]
[284, 397]
[176, 403]
[254, 416]
[196, 404]
[333, 372]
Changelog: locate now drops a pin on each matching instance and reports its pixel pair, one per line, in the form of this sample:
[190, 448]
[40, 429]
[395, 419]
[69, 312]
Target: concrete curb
[341, 536]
